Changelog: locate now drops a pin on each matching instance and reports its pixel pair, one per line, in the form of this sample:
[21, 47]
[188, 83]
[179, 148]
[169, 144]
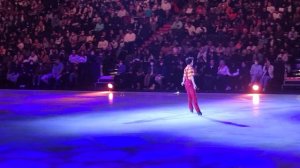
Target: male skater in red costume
[190, 86]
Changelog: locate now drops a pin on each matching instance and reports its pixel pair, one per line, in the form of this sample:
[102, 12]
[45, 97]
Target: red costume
[189, 87]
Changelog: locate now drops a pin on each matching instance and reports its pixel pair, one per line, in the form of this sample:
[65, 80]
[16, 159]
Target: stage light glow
[110, 86]
[110, 98]
[255, 87]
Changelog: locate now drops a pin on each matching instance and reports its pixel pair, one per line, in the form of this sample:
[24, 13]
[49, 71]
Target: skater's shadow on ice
[180, 116]
[226, 122]
[156, 119]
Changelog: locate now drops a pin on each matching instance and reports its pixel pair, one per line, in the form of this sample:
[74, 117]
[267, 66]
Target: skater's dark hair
[189, 60]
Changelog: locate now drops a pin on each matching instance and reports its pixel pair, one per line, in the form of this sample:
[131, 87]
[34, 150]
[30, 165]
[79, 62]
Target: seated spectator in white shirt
[83, 57]
[252, 47]
[20, 45]
[223, 74]
[270, 8]
[90, 38]
[32, 58]
[129, 37]
[56, 73]
[200, 29]
[58, 39]
[177, 24]
[73, 39]
[103, 44]
[122, 12]
[255, 72]
[220, 49]
[114, 44]
[166, 6]
[190, 29]
[223, 69]
[281, 9]
[202, 54]
[2, 51]
[82, 37]
[268, 74]
[96, 19]
[277, 15]
[189, 10]
[77, 59]
[293, 34]
[99, 26]
[283, 55]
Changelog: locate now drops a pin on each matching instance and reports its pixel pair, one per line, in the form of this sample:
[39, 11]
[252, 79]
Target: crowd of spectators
[235, 44]
[69, 44]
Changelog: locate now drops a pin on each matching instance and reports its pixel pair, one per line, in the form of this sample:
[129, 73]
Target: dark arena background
[106, 83]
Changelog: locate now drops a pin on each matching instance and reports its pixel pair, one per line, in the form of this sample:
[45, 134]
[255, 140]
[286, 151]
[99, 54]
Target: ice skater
[190, 86]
